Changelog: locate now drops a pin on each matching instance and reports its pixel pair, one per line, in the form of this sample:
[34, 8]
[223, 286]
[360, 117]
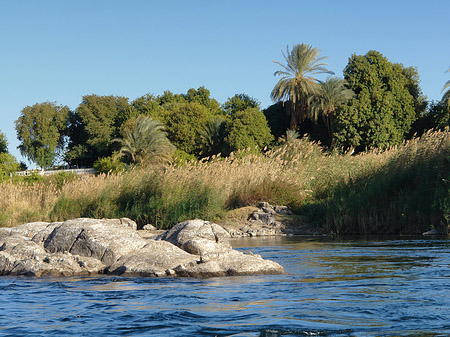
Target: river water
[346, 287]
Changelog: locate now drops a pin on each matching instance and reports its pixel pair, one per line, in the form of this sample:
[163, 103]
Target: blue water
[351, 287]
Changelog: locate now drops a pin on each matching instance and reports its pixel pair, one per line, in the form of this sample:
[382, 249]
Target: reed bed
[399, 190]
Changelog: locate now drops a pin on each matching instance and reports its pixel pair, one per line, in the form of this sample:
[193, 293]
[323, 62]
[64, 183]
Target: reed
[399, 190]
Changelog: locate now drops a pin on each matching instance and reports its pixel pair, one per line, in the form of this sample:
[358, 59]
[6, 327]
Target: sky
[61, 50]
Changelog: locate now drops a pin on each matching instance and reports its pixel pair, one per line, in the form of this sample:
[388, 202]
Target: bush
[108, 165]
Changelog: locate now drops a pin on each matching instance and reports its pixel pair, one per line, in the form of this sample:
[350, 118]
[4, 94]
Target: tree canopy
[387, 101]
[3, 143]
[247, 129]
[41, 129]
[239, 102]
[297, 83]
[93, 126]
[145, 142]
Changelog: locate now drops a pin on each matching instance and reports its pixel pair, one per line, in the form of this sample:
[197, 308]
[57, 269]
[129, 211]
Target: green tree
[247, 129]
[41, 129]
[8, 165]
[95, 123]
[446, 90]
[387, 101]
[239, 102]
[202, 96]
[277, 118]
[147, 105]
[184, 123]
[212, 137]
[146, 142]
[3, 143]
[331, 94]
[297, 83]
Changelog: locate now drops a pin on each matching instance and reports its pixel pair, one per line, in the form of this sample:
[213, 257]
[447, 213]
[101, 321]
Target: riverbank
[399, 191]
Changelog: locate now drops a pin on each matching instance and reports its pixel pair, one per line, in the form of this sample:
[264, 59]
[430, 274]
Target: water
[387, 287]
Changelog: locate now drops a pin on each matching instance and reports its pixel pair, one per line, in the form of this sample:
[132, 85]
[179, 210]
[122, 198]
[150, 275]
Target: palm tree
[212, 136]
[446, 97]
[145, 142]
[330, 95]
[298, 83]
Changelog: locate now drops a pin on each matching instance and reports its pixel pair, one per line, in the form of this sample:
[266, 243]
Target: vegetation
[145, 143]
[41, 129]
[361, 155]
[388, 100]
[297, 83]
[331, 94]
[399, 191]
[446, 96]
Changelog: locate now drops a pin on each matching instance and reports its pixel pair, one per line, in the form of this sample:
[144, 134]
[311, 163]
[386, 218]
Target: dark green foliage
[388, 100]
[239, 102]
[96, 122]
[330, 95]
[213, 137]
[436, 117]
[145, 142]
[407, 195]
[247, 129]
[277, 119]
[41, 129]
[3, 143]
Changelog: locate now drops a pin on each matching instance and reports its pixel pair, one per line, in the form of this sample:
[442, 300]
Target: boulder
[82, 246]
[198, 237]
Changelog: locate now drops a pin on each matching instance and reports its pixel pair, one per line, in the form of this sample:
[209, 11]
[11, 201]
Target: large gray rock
[198, 237]
[90, 246]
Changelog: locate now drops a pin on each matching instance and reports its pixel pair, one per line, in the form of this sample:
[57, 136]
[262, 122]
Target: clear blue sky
[60, 50]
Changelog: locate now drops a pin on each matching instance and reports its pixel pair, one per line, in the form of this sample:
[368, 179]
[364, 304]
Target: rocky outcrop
[91, 246]
[266, 220]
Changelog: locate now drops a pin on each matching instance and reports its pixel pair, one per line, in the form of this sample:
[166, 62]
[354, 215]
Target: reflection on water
[346, 287]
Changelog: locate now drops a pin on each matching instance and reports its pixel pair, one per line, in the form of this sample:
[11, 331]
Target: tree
[146, 142]
[3, 143]
[247, 129]
[202, 96]
[41, 129]
[212, 137]
[387, 101]
[93, 126]
[183, 124]
[239, 102]
[446, 97]
[330, 95]
[298, 83]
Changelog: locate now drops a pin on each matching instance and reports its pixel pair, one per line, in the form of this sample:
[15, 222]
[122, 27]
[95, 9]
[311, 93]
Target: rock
[198, 237]
[149, 228]
[229, 263]
[105, 240]
[154, 259]
[431, 232]
[92, 246]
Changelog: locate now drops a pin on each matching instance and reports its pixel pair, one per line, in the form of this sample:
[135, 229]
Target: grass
[397, 191]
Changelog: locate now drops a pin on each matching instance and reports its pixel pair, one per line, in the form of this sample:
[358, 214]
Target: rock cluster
[193, 248]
